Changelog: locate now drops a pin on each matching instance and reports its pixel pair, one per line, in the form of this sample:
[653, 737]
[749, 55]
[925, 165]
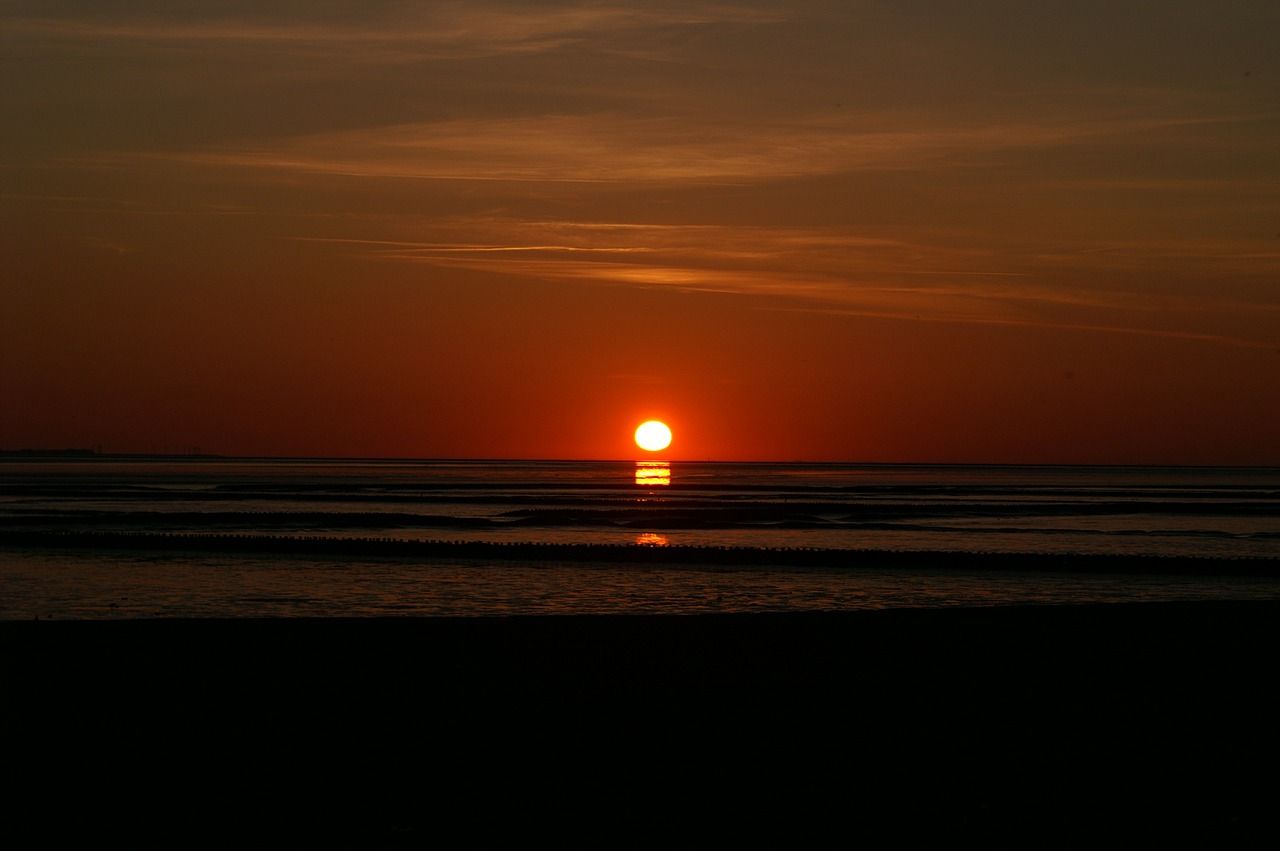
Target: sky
[867, 231]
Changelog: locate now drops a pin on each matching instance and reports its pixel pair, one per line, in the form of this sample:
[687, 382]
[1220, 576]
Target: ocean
[107, 537]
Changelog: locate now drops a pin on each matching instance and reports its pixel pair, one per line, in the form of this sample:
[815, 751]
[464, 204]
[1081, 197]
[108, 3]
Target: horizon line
[82, 454]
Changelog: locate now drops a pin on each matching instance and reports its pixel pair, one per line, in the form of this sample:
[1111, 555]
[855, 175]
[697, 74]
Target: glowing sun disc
[653, 436]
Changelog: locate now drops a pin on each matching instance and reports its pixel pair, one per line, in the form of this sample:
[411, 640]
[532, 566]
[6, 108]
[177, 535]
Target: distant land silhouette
[98, 453]
[49, 453]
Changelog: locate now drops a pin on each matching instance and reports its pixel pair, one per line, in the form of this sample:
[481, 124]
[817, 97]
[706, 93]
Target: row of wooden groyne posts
[318, 545]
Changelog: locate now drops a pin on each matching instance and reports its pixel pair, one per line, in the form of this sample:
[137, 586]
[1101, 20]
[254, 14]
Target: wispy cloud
[1224, 255]
[422, 31]
[1048, 323]
[817, 270]
[736, 250]
[618, 148]
[1024, 305]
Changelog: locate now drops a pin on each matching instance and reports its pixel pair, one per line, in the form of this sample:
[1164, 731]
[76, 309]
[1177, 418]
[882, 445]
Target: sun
[653, 436]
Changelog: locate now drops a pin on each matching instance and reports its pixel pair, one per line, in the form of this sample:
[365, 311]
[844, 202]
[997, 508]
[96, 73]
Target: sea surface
[1218, 514]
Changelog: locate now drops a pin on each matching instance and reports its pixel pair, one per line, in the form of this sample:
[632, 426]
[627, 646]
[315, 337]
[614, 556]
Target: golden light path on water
[653, 473]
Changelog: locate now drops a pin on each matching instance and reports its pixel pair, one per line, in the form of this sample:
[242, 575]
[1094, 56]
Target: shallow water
[1197, 512]
[1217, 512]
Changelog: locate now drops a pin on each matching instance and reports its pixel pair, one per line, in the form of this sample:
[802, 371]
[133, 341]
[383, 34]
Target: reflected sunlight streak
[651, 473]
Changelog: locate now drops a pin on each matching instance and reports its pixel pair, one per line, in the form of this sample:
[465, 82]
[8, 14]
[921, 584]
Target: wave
[662, 516]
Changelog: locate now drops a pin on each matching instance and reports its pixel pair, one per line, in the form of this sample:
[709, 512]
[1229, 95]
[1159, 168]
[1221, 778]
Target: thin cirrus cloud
[438, 30]
[1011, 305]
[812, 271]
[614, 148]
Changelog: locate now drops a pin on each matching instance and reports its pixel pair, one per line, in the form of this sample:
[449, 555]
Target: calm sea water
[1204, 512]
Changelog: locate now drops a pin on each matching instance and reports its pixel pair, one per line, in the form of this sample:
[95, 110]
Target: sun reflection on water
[651, 473]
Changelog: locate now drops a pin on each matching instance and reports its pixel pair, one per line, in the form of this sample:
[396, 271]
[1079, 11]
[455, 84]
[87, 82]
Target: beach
[1032, 722]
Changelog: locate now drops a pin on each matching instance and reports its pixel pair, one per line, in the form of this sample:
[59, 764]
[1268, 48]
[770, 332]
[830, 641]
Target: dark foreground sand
[1043, 725]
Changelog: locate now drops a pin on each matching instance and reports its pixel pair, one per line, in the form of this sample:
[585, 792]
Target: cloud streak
[809, 270]
[620, 148]
[427, 31]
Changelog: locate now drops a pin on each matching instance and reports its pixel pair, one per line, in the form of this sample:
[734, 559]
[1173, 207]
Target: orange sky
[901, 231]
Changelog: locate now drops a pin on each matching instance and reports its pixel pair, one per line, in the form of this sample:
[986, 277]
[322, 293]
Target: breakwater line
[728, 556]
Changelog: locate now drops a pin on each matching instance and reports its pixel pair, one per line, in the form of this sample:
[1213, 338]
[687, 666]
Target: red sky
[902, 231]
